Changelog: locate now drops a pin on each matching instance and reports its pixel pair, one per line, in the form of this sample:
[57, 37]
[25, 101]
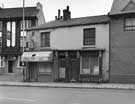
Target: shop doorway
[69, 67]
[32, 71]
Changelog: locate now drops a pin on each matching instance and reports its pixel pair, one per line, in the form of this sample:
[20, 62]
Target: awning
[37, 56]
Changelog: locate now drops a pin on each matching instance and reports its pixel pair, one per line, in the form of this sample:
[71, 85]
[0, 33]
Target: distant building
[69, 49]
[11, 36]
[122, 41]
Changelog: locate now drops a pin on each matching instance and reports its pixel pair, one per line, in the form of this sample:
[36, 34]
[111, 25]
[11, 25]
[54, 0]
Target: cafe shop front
[39, 66]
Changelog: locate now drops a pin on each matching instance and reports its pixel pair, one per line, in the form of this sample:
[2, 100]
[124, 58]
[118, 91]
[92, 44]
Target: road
[35, 95]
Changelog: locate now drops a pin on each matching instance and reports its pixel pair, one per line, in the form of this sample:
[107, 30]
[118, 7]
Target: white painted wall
[72, 38]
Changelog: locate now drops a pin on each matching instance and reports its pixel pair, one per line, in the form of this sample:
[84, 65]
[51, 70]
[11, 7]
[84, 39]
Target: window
[1, 61]
[129, 24]
[0, 39]
[11, 33]
[89, 36]
[89, 65]
[20, 63]
[45, 39]
[0, 26]
[27, 24]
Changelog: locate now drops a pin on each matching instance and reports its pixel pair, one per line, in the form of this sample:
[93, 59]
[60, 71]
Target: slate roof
[119, 5]
[17, 12]
[74, 22]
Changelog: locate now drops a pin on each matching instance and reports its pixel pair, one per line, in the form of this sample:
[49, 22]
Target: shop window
[89, 65]
[20, 63]
[45, 39]
[2, 61]
[89, 36]
[62, 55]
[45, 68]
[129, 24]
[72, 55]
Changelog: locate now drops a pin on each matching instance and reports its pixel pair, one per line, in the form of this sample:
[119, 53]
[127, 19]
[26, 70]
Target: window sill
[89, 46]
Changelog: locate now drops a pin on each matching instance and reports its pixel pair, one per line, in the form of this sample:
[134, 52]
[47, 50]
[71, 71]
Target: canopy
[37, 56]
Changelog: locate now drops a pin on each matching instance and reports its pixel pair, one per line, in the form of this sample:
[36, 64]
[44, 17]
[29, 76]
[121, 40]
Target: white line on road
[17, 99]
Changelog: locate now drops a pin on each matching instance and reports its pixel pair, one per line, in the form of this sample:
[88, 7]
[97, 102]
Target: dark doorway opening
[10, 66]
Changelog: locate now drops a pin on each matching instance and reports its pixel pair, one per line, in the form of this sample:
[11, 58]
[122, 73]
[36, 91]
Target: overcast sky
[78, 8]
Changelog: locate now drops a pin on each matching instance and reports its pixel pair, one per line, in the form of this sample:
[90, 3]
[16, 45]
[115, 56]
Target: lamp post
[23, 22]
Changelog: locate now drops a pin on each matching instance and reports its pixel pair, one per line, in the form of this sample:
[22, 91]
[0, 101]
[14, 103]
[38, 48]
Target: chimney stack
[66, 14]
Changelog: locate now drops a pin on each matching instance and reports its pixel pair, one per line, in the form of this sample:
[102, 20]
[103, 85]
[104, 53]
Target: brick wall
[122, 56]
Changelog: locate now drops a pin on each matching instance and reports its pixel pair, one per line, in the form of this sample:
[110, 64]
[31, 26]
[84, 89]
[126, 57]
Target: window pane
[0, 39]
[128, 22]
[85, 65]
[13, 33]
[45, 39]
[0, 25]
[8, 34]
[94, 65]
[90, 65]
[89, 36]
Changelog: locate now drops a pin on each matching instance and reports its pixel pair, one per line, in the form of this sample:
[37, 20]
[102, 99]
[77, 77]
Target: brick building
[122, 41]
[11, 35]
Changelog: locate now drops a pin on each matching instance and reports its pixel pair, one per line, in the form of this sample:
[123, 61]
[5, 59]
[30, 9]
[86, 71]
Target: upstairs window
[2, 64]
[45, 39]
[0, 34]
[0, 26]
[89, 36]
[0, 39]
[11, 34]
[129, 24]
[27, 24]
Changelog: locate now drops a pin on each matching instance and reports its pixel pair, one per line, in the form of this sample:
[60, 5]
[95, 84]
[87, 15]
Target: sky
[78, 8]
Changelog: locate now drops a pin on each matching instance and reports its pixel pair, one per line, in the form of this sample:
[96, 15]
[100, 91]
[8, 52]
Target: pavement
[71, 85]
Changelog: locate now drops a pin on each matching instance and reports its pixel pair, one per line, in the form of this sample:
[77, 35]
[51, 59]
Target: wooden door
[33, 71]
[74, 70]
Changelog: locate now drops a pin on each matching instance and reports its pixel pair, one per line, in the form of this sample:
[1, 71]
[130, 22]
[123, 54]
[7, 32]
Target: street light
[23, 41]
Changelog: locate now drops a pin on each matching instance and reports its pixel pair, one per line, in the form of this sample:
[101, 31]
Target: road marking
[75, 103]
[17, 99]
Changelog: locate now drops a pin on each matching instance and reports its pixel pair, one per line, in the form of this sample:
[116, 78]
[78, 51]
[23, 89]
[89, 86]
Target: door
[10, 66]
[33, 72]
[74, 70]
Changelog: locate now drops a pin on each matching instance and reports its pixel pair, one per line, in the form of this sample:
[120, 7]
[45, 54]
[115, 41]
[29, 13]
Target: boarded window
[89, 36]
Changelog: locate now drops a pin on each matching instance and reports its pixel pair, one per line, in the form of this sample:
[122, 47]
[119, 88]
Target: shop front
[78, 65]
[39, 66]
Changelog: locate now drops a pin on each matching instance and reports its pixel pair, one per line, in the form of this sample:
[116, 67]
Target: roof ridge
[18, 7]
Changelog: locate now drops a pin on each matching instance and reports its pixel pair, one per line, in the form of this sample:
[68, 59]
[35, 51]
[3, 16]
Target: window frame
[81, 66]
[132, 26]
[2, 60]
[91, 40]
[11, 33]
[43, 40]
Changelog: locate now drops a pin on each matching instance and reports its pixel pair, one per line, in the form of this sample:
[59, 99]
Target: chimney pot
[67, 8]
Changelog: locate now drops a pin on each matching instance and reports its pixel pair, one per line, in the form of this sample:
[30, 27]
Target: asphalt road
[32, 95]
